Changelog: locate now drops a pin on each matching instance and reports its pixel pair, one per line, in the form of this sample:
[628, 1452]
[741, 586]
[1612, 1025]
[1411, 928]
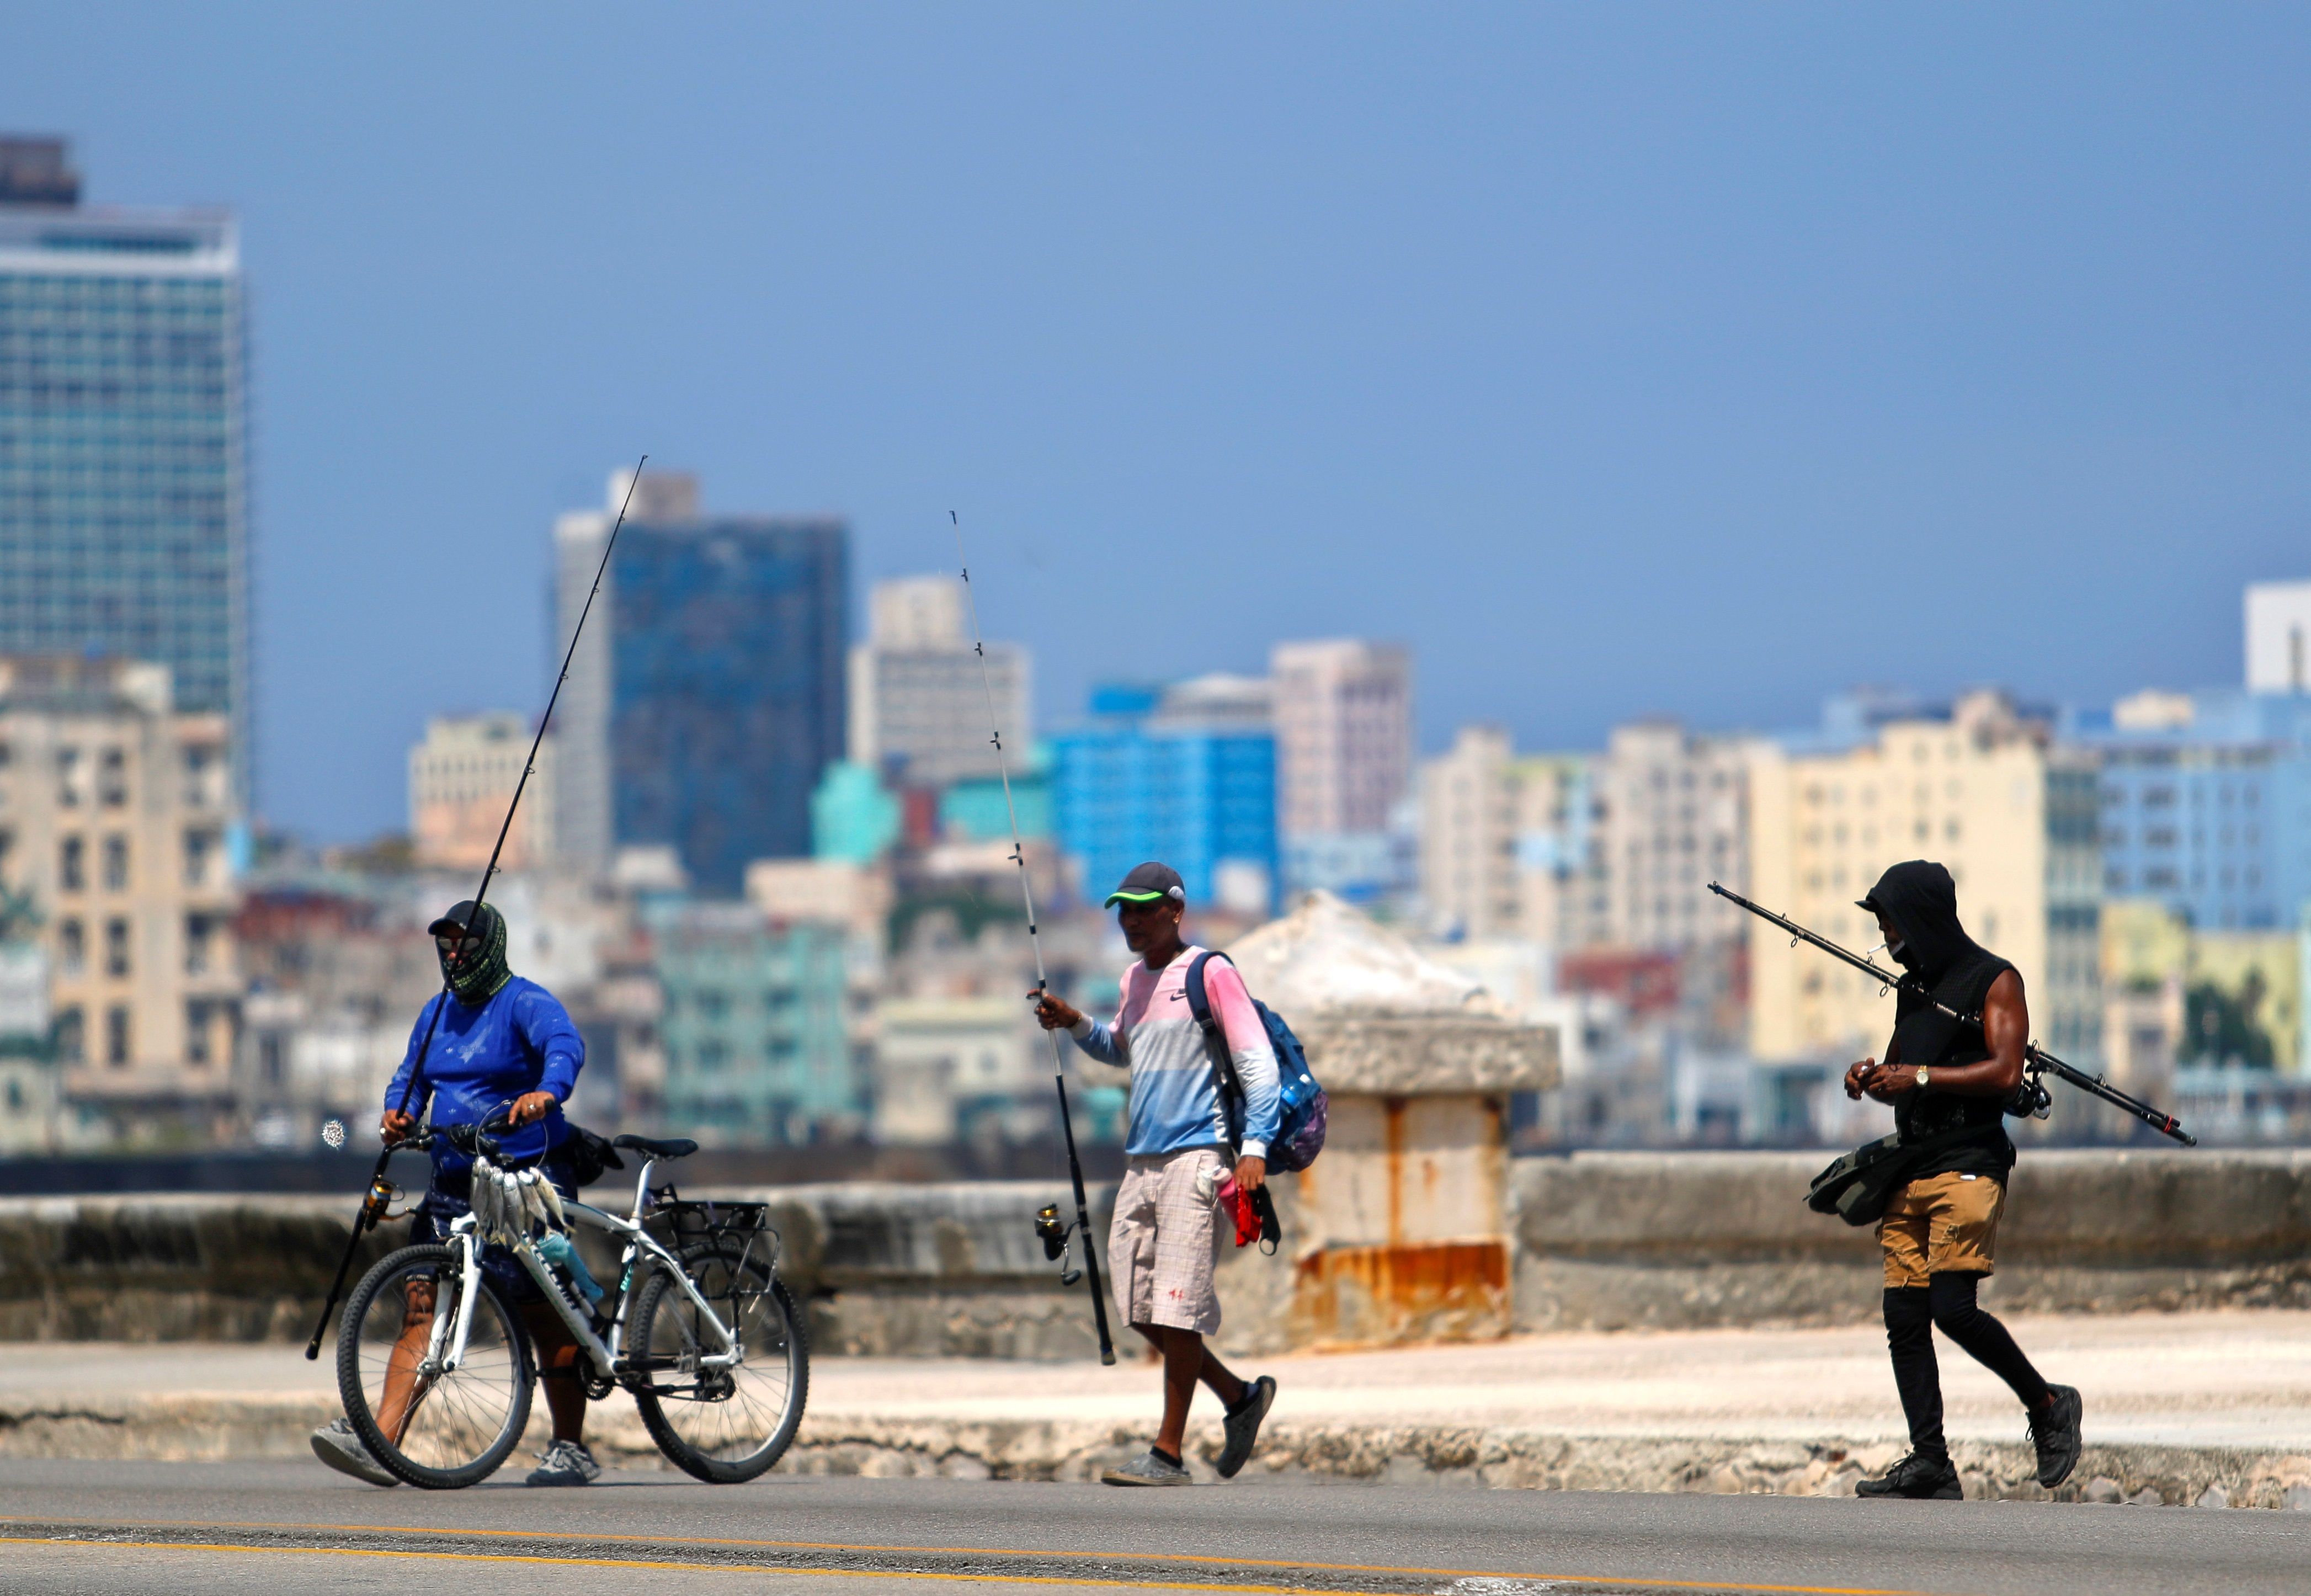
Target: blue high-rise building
[123, 464]
[707, 699]
[1149, 777]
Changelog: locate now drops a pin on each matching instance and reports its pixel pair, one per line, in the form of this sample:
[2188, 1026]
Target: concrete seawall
[1609, 1241]
[954, 1271]
[1604, 1241]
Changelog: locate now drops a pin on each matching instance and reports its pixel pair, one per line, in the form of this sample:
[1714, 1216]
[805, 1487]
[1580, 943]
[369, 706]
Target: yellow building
[1982, 793]
[113, 810]
[2147, 948]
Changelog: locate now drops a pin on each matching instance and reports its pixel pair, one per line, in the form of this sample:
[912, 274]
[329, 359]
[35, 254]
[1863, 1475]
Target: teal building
[973, 810]
[853, 816]
[758, 1050]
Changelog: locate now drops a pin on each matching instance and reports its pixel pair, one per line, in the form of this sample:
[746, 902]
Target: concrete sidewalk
[2184, 1406]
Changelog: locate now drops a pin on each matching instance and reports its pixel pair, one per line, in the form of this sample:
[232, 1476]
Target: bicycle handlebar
[475, 1141]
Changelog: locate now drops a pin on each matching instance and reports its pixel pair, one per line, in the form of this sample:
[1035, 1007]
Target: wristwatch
[1924, 1078]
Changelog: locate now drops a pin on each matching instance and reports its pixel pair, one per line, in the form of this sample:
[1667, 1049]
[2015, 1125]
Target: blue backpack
[1300, 1117]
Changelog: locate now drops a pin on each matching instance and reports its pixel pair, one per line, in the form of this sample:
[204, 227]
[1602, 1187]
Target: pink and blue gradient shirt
[1175, 1096]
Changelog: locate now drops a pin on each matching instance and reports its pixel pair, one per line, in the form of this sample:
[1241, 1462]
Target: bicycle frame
[608, 1358]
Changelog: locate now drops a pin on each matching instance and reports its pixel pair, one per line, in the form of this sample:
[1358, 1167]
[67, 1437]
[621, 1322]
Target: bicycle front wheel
[436, 1427]
[721, 1424]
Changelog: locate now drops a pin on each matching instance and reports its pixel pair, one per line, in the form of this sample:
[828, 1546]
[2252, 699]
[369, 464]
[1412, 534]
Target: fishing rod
[380, 1190]
[2031, 1097]
[1054, 1234]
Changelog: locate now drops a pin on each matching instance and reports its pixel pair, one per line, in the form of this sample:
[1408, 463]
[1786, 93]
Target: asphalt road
[251, 1528]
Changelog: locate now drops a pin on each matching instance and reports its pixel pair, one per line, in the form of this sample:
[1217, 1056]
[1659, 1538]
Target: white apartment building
[1503, 842]
[1468, 836]
[462, 777]
[1343, 735]
[952, 1069]
[918, 700]
[2278, 637]
[113, 817]
[1343, 765]
[1586, 850]
[1672, 816]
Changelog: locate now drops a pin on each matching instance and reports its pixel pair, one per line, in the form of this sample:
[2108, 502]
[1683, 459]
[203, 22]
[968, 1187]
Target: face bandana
[479, 969]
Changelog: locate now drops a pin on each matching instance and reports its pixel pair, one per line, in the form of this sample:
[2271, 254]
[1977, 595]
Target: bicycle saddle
[673, 1147]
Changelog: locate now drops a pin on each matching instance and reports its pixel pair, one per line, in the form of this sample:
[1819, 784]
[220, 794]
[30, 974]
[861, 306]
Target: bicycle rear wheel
[440, 1429]
[725, 1425]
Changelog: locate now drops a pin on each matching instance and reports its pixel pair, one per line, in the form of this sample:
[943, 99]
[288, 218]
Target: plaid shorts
[1167, 1239]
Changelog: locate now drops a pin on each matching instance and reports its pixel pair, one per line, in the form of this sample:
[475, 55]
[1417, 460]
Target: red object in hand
[1247, 1217]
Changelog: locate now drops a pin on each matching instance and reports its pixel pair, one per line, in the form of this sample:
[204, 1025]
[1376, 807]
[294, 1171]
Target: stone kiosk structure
[1400, 1231]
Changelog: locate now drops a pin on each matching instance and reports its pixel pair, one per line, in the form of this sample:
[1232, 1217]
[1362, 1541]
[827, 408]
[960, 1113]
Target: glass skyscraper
[1149, 777]
[706, 700]
[123, 464]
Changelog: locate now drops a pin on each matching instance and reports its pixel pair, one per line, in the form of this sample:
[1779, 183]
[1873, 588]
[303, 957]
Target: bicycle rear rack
[688, 1222]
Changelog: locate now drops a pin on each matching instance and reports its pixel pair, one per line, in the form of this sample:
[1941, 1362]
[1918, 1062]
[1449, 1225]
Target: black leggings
[1912, 1314]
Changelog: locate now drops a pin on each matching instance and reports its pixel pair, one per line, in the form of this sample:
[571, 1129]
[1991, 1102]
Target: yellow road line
[350, 1551]
[828, 1546]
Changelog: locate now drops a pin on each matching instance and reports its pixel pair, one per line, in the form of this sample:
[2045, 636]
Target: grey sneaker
[335, 1444]
[1147, 1469]
[566, 1462]
[1242, 1425]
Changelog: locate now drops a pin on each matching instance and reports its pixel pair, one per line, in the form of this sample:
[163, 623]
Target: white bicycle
[435, 1365]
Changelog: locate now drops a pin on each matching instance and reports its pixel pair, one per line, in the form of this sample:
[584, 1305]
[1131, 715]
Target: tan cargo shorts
[1166, 1240]
[1941, 1223]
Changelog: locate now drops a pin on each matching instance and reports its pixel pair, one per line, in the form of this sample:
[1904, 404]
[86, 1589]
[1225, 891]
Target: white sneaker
[335, 1444]
[566, 1462]
[1147, 1469]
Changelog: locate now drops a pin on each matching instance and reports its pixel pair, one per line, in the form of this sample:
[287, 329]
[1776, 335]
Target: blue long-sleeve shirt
[520, 1041]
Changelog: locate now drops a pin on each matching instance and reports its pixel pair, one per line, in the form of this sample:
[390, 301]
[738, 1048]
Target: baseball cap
[453, 924]
[1150, 883]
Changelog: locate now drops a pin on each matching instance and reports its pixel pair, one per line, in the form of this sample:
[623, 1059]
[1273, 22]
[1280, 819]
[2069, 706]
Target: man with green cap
[503, 1045]
[1183, 1167]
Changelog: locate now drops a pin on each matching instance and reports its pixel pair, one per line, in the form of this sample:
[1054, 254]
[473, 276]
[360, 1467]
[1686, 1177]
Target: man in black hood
[1949, 1081]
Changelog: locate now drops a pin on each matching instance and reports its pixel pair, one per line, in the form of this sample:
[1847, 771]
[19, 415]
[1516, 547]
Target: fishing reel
[1059, 1242]
[376, 1204]
[2030, 1100]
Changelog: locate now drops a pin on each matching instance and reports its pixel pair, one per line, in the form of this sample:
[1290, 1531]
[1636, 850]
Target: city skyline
[1556, 374]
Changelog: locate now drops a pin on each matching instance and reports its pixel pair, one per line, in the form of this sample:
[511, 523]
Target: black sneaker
[1242, 1425]
[1917, 1477]
[2055, 1432]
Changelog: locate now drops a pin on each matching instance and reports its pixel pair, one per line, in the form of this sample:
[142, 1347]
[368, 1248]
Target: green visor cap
[1150, 883]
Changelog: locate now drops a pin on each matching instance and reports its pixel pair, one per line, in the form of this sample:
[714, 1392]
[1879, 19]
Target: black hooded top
[1920, 900]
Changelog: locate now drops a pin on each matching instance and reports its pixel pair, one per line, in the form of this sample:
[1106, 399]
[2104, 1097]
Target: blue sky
[1622, 360]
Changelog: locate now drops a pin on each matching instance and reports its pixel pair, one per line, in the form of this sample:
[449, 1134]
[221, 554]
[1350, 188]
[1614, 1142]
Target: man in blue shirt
[503, 1045]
